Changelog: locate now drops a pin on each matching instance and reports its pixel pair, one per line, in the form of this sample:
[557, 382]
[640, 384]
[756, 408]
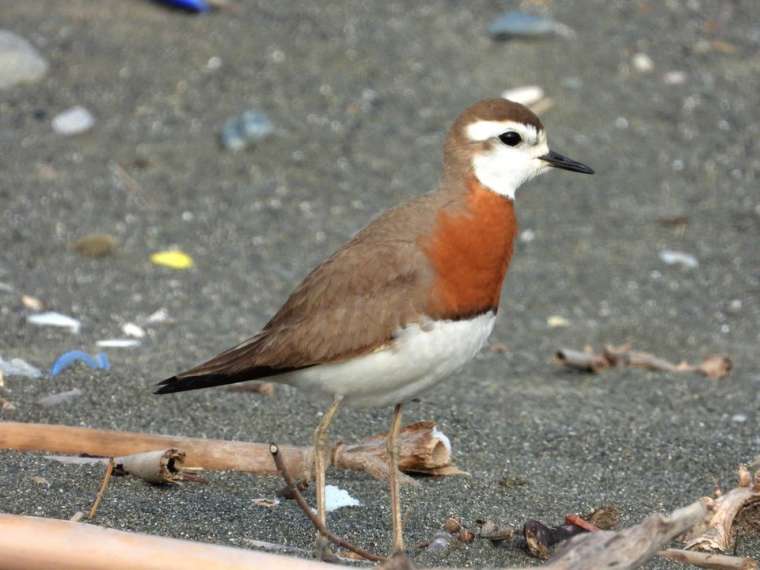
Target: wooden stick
[31, 543]
[709, 560]
[424, 449]
[102, 490]
[315, 520]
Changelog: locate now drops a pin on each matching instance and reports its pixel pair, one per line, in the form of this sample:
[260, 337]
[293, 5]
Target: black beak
[557, 160]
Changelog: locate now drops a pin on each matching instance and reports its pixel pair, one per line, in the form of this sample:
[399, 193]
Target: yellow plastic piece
[174, 258]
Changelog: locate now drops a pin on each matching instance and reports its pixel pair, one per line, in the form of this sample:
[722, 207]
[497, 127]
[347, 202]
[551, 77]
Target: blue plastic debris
[99, 361]
[196, 6]
[245, 129]
[516, 24]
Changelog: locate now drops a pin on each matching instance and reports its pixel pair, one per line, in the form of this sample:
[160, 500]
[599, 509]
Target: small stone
[245, 130]
[527, 236]
[73, 121]
[18, 367]
[95, 245]
[32, 303]
[621, 123]
[526, 95]
[20, 62]
[672, 257]
[557, 321]
[131, 329]
[675, 77]
[739, 418]
[516, 24]
[642, 63]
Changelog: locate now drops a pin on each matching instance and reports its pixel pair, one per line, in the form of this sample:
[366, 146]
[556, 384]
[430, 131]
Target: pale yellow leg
[393, 452]
[320, 443]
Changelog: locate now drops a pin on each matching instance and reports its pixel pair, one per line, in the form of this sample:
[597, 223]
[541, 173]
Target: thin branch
[102, 490]
[324, 531]
[709, 560]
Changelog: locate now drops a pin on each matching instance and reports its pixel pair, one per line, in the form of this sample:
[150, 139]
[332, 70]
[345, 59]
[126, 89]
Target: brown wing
[350, 304]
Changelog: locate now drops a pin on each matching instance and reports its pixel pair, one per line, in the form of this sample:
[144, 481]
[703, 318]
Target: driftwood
[69, 546]
[709, 560]
[424, 449]
[714, 367]
[717, 534]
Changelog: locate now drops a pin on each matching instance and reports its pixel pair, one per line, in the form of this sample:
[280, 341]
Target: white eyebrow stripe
[484, 130]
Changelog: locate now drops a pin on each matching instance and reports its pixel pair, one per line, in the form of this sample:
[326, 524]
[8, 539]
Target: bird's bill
[558, 160]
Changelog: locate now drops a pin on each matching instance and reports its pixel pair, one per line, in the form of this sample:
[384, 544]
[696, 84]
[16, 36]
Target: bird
[411, 298]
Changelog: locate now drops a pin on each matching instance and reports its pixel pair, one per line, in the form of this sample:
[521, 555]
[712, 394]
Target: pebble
[20, 62]
[18, 367]
[642, 62]
[557, 321]
[73, 121]
[245, 130]
[53, 319]
[739, 418]
[675, 77]
[527, 236]
[672, 257]
[526, 95]
[95, 245]
[60, 398]
[516, 24]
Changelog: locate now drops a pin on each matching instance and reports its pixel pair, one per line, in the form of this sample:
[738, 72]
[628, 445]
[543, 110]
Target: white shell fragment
[642, 63]
[526, 95]
[118, 343]
[53, 319]
[18, 367]
[442, 437]
[336, 498]
[672, 257]
[131, 329]
[73, 121]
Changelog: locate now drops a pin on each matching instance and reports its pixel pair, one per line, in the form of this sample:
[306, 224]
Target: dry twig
[324, 531]
[102, 490]
[709, 560]
[714, 367]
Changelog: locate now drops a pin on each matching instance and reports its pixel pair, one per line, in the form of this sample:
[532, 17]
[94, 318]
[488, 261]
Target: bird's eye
[510, 138]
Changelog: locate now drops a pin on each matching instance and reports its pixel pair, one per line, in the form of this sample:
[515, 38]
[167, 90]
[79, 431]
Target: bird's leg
[320, 441]
[393, 452]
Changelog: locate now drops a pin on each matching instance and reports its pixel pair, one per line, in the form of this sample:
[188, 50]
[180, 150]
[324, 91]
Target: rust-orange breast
[469, 251]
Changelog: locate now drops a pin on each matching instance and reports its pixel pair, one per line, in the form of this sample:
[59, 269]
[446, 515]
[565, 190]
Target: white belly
[417, 359]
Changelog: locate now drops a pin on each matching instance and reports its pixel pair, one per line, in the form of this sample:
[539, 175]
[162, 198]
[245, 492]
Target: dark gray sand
[361, 94]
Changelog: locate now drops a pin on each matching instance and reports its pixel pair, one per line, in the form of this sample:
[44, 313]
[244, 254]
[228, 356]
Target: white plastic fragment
[20, 62]
[118, 343]
[675, 77]
[131, 329]
[160, 316]
[18, 367]
[673, 257]
[442, 437]
[336, 498]
[53, 319]
[526, 95]
[73, 121]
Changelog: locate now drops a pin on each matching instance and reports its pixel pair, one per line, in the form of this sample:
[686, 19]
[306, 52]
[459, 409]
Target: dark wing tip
[168, 386]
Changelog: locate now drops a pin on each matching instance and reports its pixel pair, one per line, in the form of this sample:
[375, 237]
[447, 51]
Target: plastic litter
[195, 6]
[73, 121]
[99, 361]
[172, 258]
[516, 24]
[336, 498]
[53, 319]
[118, 343]
[245, 129]
[18, 367]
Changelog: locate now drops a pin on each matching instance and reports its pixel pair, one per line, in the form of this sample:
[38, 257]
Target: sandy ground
[361, 94]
